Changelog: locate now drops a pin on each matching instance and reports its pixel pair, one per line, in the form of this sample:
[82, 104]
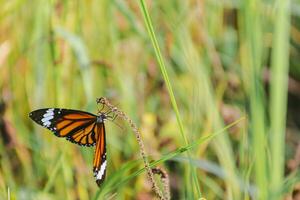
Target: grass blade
[279, 80]
[168, 84]
[176, 153]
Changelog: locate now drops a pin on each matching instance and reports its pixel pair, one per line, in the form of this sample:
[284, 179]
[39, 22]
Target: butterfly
[79, 127]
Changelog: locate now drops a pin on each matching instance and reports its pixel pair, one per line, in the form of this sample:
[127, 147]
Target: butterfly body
[79, 127]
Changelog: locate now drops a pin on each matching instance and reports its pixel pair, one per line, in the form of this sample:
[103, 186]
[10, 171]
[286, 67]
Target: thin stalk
[138, 136]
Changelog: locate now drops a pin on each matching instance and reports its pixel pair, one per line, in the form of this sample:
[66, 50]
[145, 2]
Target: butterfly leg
[112, 117]
[101, 109]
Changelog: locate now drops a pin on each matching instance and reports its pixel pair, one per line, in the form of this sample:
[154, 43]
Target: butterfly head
[101, 118]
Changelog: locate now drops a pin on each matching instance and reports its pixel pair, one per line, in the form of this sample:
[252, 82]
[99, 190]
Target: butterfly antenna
[121, 127]
[112, 119]
[117, 124]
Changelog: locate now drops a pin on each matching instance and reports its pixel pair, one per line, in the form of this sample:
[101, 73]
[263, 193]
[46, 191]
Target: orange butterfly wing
[76, 126]
[100, 154]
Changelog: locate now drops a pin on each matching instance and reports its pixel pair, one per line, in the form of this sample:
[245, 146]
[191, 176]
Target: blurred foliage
[219, 56]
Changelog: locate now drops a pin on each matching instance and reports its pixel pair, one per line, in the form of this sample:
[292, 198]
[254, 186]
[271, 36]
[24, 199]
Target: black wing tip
[102, 170]
[30, 115]
[34, 114]
[99, 182]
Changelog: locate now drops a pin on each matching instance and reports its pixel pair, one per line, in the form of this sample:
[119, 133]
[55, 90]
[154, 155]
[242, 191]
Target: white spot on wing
[100, 173]
[47, 114]
[47, 123]
[47, 118]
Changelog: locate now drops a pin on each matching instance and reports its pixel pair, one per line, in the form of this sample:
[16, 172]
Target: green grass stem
[168, 84]
[278, 101]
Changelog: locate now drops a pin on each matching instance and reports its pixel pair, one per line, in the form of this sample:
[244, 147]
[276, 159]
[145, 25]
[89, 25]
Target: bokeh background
[225, 60]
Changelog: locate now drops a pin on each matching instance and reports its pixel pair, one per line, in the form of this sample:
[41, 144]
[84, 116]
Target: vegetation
[214, 87]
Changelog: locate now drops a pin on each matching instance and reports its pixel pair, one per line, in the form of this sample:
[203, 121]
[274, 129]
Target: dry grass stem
[164, 179]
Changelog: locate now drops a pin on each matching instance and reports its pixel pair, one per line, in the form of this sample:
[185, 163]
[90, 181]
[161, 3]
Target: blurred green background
[224, 60]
